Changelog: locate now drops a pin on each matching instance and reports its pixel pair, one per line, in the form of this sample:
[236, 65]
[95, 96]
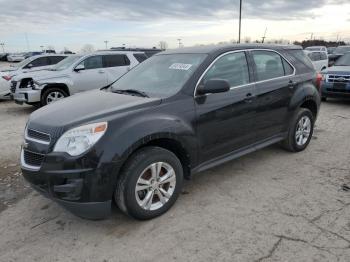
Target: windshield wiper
[131, 92]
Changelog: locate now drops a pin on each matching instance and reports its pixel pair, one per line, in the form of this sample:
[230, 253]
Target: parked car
[3, 56]
[31, 64]
[316, 48]
[29, 54]
[319, 59]
[178, 113]
[336, 79]
[147, 51]
[75, 74]
[338, 52]
[49, 51]
[16, 57]
[330, 50]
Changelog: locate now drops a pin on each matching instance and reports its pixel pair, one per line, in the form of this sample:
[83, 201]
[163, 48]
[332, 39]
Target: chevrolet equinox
[176, 114]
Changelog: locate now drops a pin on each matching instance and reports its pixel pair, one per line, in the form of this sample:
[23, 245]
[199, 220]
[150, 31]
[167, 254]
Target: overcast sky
[74, 23]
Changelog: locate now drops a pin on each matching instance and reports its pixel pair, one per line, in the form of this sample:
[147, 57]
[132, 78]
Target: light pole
[179, 39]
[240, 21]
[106, 42]
[3, 48]
[42, 48]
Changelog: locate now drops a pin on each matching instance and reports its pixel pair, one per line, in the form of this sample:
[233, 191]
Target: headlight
[80, 139]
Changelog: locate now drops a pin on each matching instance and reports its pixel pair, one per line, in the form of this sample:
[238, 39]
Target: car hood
[337, 70]
[91, 106]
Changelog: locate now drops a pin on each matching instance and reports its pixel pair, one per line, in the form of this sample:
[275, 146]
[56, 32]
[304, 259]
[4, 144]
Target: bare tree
[88, 48]
[163, 45]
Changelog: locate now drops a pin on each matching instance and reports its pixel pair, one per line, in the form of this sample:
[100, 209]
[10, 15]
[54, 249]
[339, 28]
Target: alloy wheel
[303, 131]
[53, 97]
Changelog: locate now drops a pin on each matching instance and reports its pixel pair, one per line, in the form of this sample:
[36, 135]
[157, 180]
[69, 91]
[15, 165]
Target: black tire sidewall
[303, 112]
[134, 171]
[48, 91]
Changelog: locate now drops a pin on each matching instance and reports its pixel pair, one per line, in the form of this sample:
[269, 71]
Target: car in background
[30, 64]
[338, 52]
[147, 51]
[75, 74]
[316, 48]
[3, 56]
[29, 54]
[319, 59]
[330, 50]
[336, 79]
[49, 51]
[18, 57]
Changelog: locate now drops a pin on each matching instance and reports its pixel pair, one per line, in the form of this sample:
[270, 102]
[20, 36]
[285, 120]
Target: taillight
[7, 78]
[319, 79]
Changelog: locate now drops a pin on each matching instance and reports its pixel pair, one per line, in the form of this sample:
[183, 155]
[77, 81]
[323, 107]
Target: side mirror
[79, 68]
[213, 86]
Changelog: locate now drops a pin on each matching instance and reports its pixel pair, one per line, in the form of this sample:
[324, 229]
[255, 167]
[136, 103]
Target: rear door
[115, 65]
[225, 121]
[275, 84]
[92, 77]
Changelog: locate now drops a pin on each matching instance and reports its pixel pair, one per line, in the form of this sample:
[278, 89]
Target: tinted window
[55, 59]
[300, 56]
[42, 61]
[232, 68]
[92, 62]
[268, 65]
[115, 60]
[288, 69]
[140, 57]
[323, 56]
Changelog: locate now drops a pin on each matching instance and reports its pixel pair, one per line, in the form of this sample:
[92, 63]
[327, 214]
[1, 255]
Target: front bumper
[86, 192]
[328, 90]
[29, 96]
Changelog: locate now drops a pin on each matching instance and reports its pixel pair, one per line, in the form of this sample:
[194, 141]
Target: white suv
[75, 74]
[34, 63]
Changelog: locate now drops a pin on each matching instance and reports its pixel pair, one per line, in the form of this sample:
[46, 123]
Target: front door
[225, 121]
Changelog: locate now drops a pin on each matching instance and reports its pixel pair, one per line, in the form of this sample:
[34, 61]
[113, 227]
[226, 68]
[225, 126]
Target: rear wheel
[149, 183]
[300, 131]
[52, 95]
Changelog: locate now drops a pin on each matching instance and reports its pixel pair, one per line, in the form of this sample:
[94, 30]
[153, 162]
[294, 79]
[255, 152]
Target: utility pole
[179, 39]
[106, 42]
[263, 38]
[3, 48]
[312, 35]
[42, 48]
[240, 21]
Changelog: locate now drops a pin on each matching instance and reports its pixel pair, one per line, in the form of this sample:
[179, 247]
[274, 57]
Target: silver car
[31, 64]
[75, 74]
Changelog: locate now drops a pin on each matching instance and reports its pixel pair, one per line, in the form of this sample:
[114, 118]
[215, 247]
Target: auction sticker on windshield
[180, 66]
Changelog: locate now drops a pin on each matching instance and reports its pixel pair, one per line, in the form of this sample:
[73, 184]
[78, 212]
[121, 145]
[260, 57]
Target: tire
[324, 98]
[291, 143]
[130, 201]
[52, 91]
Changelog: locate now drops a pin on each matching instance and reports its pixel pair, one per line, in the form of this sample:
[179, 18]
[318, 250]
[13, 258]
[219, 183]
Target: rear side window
[301, 57]
[288, 69]
[140, 57]
[315, 56]
[268, 65]
[323, 56]
[232, 68]
[115, 60]
[55, 59]
[42, 61]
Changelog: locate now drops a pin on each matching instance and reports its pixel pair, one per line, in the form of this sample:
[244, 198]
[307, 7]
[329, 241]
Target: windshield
[343, 60]
[341, 49]
[66, 62]
[161, 75]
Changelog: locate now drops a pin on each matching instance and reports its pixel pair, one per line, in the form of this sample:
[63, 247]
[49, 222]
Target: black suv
[178, 113]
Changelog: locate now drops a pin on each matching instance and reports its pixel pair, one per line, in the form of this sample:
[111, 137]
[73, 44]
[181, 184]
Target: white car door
[89, 74]
[116, 66]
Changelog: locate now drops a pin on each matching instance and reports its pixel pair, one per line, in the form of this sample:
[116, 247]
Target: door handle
[101, 71]
[248, 98]
[292, 84]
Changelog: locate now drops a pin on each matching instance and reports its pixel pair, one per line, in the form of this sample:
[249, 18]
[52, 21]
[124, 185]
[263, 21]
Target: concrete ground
[270, 205]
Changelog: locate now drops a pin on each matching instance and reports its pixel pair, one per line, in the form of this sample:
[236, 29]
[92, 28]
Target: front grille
[338, 78]
[33, 159]
[38, 135]
[13, 86]
[338, 90]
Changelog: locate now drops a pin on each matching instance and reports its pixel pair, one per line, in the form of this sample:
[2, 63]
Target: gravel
[271, 205]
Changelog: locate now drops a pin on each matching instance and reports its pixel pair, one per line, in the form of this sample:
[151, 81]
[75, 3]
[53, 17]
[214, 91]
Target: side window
[288, 69]
[268, 65]
[140, 57]
[92, 62]
[42, 61]
[323, 56]
[55, 59]
[115, 60]
[232, 68]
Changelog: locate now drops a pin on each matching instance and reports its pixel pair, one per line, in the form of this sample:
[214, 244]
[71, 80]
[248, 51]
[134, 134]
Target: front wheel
[52, 95]
[300, 131]
[150, 183]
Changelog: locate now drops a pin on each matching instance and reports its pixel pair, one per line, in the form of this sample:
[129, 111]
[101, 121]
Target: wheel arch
[62, 86]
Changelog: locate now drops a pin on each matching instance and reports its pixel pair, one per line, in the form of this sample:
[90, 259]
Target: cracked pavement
[271, 205]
